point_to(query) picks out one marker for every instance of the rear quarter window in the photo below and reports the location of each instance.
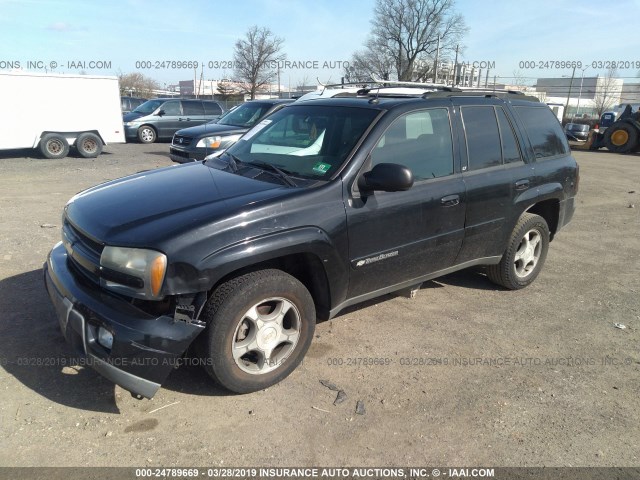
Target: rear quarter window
(545, 133)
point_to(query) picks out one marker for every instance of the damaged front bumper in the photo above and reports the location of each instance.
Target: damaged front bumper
(145, 348)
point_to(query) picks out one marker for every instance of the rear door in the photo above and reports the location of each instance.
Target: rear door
(395, 237)
(192, 113)
(494, 175)
(169, 121)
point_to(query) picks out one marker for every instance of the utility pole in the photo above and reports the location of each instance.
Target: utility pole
(566, 108)
(455, 68)
(435, 65)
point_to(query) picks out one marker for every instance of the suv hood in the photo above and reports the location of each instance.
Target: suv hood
(209, 129)
(131, 116)
(145, 209)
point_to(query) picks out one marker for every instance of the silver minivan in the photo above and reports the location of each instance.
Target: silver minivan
(160, 118)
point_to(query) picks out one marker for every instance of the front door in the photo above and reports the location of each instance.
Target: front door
(396, 237)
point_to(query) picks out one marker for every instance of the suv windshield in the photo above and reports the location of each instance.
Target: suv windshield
(149, 106)
(246, 115)
(306, 141)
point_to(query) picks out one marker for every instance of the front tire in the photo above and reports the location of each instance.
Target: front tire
(89, 145)
(259, 327)
(54, 146)
(525, 254)
(146, 134)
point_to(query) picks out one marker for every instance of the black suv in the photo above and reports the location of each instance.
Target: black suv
(195, 143)
(322, 205)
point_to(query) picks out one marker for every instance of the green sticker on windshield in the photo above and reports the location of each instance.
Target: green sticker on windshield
(321, 167)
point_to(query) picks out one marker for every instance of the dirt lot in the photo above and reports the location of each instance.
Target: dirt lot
(470, 374)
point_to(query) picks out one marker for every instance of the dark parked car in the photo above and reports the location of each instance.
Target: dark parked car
(576, 131)
(130, 103)
(195, 143)
(160, 118)
(322, 205)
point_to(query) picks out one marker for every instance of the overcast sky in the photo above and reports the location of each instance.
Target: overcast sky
(123, 32)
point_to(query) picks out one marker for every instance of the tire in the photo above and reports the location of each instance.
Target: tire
(621, 138)
(147, 134)
(89, 145)
(525, 254)
(53, 146)
(259, 327)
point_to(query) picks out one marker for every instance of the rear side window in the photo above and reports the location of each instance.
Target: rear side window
(483, 137)
(510, 148)
(544, 131)
(191, 107)
(212, 108)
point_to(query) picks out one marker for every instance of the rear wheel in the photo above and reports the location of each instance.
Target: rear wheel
(146, 134)
(525, 254)
(89, 145)
(259, 327)
(621, 138)
(54, 145)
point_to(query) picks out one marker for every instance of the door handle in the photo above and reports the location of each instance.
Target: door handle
(450, 200)
(185, 119)
(522, 185)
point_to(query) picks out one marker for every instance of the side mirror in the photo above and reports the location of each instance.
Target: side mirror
(160, 113)
(386, 177)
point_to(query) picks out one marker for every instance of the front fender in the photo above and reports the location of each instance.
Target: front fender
(304, 240)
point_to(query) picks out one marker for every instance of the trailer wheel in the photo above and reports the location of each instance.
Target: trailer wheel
(89, 145)
(146, 134)
(621, 138)
(53, 145)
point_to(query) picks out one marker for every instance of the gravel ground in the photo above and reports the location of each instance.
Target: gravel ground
(466, 373)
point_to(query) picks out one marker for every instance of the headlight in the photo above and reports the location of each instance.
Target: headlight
(134, 272)
(215, 142)
(130, 124)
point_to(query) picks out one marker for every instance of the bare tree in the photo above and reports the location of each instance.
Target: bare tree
(607, 91)
(408, 32)
(256, 57)
(137, 84)
(369, 62)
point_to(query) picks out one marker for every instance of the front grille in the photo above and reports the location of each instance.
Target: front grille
(181, 140)
(179, 153)
(83, 252)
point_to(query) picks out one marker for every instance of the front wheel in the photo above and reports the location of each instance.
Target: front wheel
(259, 327)
(53, 146)
(525, 254)
(146, 134)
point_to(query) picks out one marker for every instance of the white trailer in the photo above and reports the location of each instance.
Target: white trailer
(51, 113)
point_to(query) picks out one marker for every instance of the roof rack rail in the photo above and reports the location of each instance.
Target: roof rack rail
(491, 90)
(397, 83)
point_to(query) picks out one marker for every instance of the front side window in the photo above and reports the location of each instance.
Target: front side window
(172, 108)
(309, 141)
(420, 141)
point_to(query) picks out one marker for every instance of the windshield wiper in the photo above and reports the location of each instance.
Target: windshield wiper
(233, 161)
(283, 174)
